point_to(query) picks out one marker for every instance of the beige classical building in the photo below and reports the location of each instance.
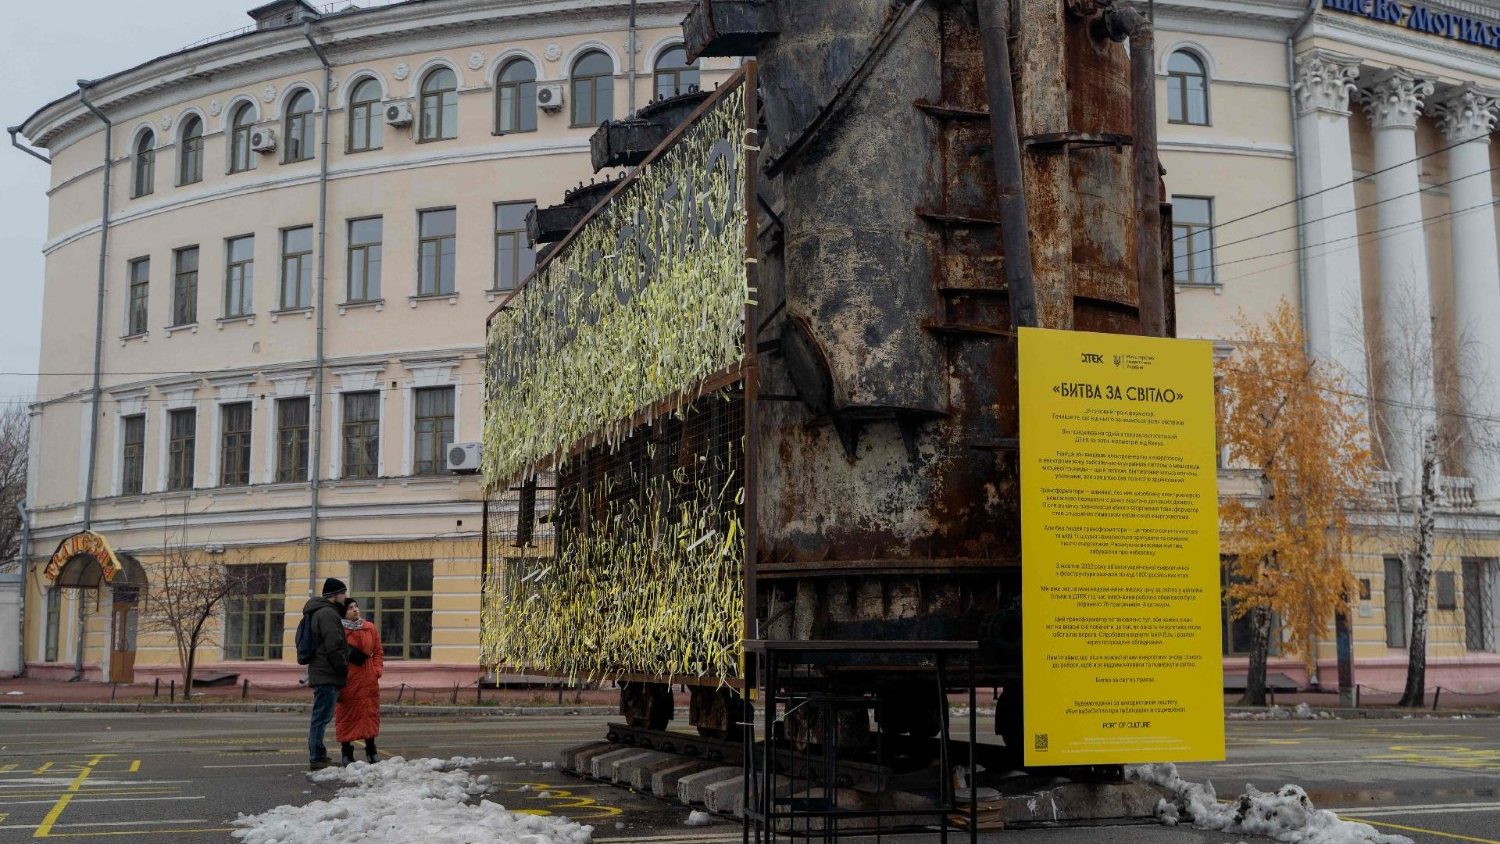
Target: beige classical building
(1378, 113)
(283, 251)
(300, 257)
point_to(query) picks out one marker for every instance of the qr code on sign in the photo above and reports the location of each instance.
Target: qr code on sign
(1040, 740)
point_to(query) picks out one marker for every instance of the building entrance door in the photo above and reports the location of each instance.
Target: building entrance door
(122, 643)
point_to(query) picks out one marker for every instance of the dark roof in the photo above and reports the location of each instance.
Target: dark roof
(276, 8)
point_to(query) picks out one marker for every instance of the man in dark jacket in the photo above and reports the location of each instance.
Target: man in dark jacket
(330, 667)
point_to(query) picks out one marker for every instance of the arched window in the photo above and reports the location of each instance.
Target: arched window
(364, 116)
(145, 165)
(439, 105)
(593, 89)
(190, 152)
(241, 122)
(299, 127)
(673, 73)
(515, 97)
(1187, 89)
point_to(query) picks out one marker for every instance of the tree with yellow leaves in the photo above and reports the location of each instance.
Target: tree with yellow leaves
(1288, 420)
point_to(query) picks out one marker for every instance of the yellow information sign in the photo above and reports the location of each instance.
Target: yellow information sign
(1120, 550)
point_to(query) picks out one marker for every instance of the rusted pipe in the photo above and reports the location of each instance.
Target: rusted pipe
(1015, 234)
(1121, 23)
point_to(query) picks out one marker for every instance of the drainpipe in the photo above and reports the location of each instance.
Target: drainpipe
(1124, 23)
(16, 130)
(1015, 234)
(318, 379)
(20, 506)
(25, 572)
(634, 48)
(1291, 99)
(88, 492)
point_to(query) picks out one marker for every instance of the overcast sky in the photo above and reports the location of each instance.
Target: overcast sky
(44, 49)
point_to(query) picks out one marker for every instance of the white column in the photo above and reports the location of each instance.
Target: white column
(1468, 117)
(1404, 358)
(1335, 310)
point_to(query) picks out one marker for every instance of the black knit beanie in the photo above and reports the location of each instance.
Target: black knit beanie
(332, 586)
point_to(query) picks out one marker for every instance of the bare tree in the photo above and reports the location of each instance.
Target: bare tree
(15, 431)
(1420, 430)
(187, 592)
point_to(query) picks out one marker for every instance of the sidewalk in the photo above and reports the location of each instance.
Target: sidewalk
(31, 692)
(59, 694)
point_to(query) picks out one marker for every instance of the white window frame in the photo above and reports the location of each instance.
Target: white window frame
(235, 390)
(285, 385)
(181, 397)
(357, 379)
(429, 373)
(132, 403)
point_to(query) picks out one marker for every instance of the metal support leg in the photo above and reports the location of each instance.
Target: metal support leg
(945, 774)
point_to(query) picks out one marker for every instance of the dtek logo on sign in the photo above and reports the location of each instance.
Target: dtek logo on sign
(1421, 18)
(1090, 357)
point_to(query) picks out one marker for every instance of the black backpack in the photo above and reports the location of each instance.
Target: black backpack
(307, 646)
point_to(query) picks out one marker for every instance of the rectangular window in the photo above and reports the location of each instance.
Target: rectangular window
(436, 249)
(182, 435)
(1395, 603)
(254, 612)
(514, 256)
(361, 435)
(296, 268)
(234, 444)
(1476, 605)
(1239, 633)
(1447, 590)
(364, 259)
(140, 290)
(397, 596)
(1193, 239)
(54, 623)
(291, 440)
(132, 454)
(432, 429)
(239, 276)
(185, 286)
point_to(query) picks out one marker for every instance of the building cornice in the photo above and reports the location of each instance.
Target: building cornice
(348, 37)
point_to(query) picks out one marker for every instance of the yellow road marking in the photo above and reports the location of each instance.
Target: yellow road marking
(8, 799)
(7, 768)
(43, 769)
(45, 829)
(135, 832)
(135, 766)
(1453, 835)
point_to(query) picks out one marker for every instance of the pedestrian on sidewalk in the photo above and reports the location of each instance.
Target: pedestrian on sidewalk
(358, 715)
(328, 668)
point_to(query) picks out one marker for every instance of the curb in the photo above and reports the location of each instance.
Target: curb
(1382, 714)
(411, 711)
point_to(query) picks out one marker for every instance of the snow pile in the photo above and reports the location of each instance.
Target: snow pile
(399, 800)
(1301, 712)
(697, 818)
(1285, 815)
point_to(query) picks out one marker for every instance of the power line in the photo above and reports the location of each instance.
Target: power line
(1408, 224)
(1356, 179)
(1211, 248)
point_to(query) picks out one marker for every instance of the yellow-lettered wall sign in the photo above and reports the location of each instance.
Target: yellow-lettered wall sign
(1120, 550)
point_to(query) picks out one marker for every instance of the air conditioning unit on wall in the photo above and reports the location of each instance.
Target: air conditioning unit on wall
(463, 458)
(549, 97)
(398, 113)
(263, 139)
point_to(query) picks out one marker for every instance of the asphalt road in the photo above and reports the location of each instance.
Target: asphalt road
(178, 778)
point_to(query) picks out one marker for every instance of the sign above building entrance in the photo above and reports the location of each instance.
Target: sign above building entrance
(1422, 18)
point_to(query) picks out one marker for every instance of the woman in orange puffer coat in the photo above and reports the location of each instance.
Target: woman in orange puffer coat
(357, 715)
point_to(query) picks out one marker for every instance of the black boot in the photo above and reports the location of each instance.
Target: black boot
(370, 754)
(348, 753)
